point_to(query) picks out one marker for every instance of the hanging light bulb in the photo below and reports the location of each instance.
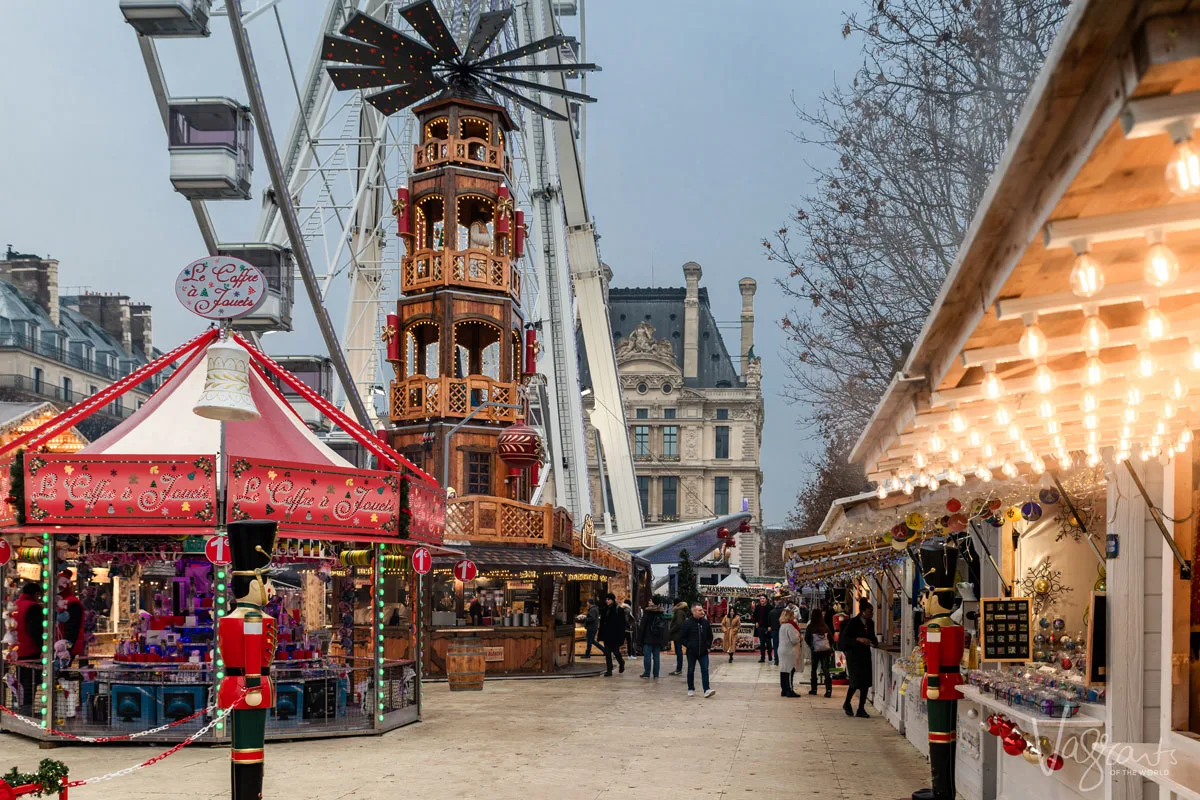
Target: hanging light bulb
(957, 423)
(919, 460)
(1092, 449)
(1154, 324)
(1009, 468)
(1168, 410)
(1014, 432)
(1130, 415)
(908, 487)
(1146, 454)
(1089, 402)
(1146, 365)
(881, 492)
(993, 387)
(1093, 371)
(974, 438)
(1183, 170)
(922, 478)
(1058, 441)
(1185, 436)
(984, 474)
(1046, 409)
(1043, 379)
(1039, 466)
(1064, 460)
(1087, 276)
(1127, 431)
(1093, 437)
(1122, 444)
(1121, 455)
(988, 450)
(1162, 266)
(1091, 421)
(1094, 334)
(1033, 342)
(1093, 460)
(933, 484)
(955, 455)
(1194, 356)
(1003, 415)
(960, 480)
(1178, 389)
(1181, 447)
(1053, 427)
(1160, 429)
(1133, 396)
(936, 443)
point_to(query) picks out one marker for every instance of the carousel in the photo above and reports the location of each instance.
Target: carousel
(116, 567)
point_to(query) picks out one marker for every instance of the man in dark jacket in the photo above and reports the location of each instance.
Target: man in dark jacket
(762, 628)
(697, 637)
(679, 615)
(612, 632)
(856, 639)
(773, 624)
(591, 624)
(652, 633)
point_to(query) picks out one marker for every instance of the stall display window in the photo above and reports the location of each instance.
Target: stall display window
(479, 473)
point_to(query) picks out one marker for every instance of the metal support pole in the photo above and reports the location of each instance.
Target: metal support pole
(454, 430)
(271, 155)
(1185, 566)
(987, 551)
(1071, 507)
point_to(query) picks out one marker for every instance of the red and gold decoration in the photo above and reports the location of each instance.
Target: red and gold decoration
(116, 490)
(520, 446)
(401, 208)
(391, 337)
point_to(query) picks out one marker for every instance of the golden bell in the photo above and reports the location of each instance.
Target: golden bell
(226, 393)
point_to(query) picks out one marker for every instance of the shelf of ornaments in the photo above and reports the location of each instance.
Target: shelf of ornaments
(1090, 716)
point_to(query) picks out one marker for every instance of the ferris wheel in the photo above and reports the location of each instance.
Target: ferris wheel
(327, 222)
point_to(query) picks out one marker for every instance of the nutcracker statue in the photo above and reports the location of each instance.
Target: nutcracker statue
(943, 649)
(247, 644)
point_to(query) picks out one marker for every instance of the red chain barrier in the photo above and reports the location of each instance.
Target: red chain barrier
(105, 739)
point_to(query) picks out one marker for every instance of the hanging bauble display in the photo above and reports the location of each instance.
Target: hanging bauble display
(887, 537)
(1043, 623)
(1039, 638)
(1014, 742)
(1031, 511)
(1012, 514)
(972, 713)
(1044, 585)
(977, 508)
(1066, 663)
(519, 446)
(995, 522)
(939, 524)
(722, 533)
(957, 523)
(954, 505)
(994, 504)
(1039, 655)
(1031, 753)
(1068, 644)
(915, 521)
(1101, 584)
(1041, 585)
(1054, 762)
(1048, 496)
(996, 725)
(1059, 624)
(1045, 744)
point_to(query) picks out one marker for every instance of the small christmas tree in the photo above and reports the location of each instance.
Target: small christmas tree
(687, 586)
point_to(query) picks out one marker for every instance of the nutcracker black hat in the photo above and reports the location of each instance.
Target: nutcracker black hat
(250, 545)
(939, 567)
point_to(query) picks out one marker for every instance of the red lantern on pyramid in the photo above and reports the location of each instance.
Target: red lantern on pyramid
(520, 446)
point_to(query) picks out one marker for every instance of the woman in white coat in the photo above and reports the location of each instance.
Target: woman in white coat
(790, 638)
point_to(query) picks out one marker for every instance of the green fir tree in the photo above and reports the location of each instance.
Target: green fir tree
(687, 587)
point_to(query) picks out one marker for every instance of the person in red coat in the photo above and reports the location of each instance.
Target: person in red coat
(30, 616)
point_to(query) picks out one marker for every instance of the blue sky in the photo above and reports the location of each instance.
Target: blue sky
(690, 154)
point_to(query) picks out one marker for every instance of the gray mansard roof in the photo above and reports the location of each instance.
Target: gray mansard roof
(662, 308)
(17, 311)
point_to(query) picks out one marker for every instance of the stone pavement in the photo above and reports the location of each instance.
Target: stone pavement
(587, 738)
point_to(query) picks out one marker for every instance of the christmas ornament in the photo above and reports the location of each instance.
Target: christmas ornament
(1048, 496)
(1059, 623)
(957, 523)
(1039, 638)
(1031, 511)
(953, 505)
(994, 504)
(1043, 623)
(1014, 742)
(995, 724)
(1012, 514)
(1054, 762)
(1101, 584)
(1044, 585)
(887, 537)
(1041, 585)
(915, 521)
(972, 713)
(1066, 663)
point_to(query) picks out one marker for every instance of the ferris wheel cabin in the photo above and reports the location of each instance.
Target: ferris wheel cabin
(165, 18)
(278, 266)
(211, 142)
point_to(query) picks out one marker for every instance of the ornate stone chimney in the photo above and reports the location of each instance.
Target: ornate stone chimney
(691, 320)
(747, 286)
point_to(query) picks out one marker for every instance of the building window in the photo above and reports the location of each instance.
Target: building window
(641, 441)
(670, 499)
(671, 441)
(721, 496)
(642, 388)
(39, 378)
(479, 473)
(92, 389)
(722, 441)
(116, 407)
(644, 493)
(66, 389)
(722, 413)
(642, 413)
(668, 413)
(666, 388)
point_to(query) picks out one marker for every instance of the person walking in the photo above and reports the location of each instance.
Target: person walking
(612, 632)
(788, 651)
(591, 624)
(773, 623)
(652, 633)
(697, 637)
(679, 615)
(856, 639)
(729, 631)
(631, 626)
(819, 639)
(762, 628)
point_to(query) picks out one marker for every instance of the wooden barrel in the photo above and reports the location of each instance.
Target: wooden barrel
(464, 665)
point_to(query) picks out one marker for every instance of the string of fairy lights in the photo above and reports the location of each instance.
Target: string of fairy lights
(1017, 421)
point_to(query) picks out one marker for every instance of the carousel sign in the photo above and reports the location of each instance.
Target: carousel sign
(116, 490)
(302, 496)
(220, 287)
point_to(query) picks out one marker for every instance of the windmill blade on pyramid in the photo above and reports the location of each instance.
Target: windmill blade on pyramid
(402, 97)
(526, 50)
(510, 81)
(521, 99)
(487, 27)
(541, 68)
(426, 20)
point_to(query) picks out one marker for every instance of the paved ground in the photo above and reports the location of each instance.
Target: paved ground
(589, 738)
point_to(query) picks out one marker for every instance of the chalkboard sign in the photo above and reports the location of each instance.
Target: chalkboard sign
(1006, 629)
(1097, 640)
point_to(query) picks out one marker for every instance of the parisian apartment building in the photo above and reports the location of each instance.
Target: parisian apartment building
(695, 419)
(63, 348)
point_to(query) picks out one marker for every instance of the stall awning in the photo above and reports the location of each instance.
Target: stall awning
(539, 559)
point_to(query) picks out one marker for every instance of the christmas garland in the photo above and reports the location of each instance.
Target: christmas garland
(48, 778)
(16, 486)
